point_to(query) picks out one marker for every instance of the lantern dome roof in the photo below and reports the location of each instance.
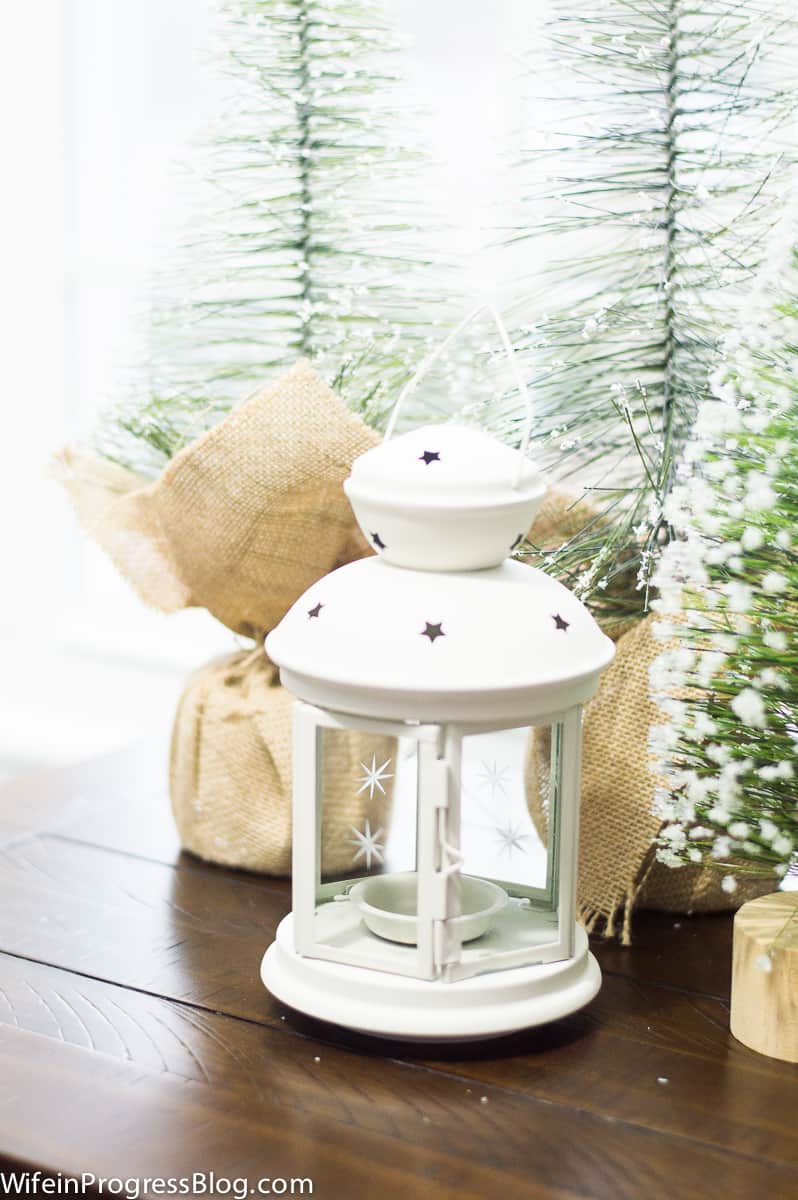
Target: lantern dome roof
(378, 640)
(444, 498)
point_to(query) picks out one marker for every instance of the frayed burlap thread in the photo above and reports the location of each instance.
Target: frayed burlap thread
(242, 522)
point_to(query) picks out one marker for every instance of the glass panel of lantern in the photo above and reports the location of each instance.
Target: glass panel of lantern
(506, 776)
(372, 845)
(499, 838)
(362, 782)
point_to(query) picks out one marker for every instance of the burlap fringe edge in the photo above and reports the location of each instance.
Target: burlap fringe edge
(590, 916)
(604, 924)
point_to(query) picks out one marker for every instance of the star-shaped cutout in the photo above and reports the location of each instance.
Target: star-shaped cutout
(560, 622)
(517, 542)
(432, 631)
(314, 612)
(510, 838)
(378, 542)
(372, 776)
(368, 843)
(429, 456)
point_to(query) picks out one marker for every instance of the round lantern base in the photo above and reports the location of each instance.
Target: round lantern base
(397, 1006)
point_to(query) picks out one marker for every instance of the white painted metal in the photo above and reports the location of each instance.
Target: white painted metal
(334, 720)
(387, 904)
(431, 905)
(306, 852)
(444, 498)
(451, 930)
(570, 754)
(435, 642)
(394, 1006)
(499, 655)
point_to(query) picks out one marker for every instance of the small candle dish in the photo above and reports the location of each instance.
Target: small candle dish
(387, 904)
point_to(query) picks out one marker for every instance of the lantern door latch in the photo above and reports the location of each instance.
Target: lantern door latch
(451, 859)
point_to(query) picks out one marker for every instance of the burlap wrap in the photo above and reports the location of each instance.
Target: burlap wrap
(241, 522)
(617, 866)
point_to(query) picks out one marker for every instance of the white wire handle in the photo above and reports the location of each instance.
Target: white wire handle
(435, 354)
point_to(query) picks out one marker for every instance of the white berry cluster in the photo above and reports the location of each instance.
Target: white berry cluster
(727, 677)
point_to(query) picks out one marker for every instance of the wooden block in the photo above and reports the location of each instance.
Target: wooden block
(764, 997)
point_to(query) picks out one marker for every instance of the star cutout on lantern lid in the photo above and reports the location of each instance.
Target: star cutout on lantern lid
(378, 542)
(314, 612)
(560, 622)
(432, 631)
(429, 456)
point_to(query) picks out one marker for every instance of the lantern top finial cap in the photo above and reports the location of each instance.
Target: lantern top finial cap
(444, 497)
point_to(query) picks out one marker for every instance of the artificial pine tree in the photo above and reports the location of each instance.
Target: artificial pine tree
(665, 167)
(314, 244)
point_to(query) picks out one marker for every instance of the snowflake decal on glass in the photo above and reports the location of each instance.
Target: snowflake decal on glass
(511, 838)
(373, 776)
(494, 777)
(368, 845)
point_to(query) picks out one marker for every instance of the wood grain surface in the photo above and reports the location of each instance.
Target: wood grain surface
(764, 995)
(137, 1040)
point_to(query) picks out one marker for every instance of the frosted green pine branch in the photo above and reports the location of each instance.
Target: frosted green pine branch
(665, 167)
(317, 239)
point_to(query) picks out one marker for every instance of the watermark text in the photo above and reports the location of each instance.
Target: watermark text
(199, 1183)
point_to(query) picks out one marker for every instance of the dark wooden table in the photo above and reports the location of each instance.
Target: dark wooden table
(137, 1040)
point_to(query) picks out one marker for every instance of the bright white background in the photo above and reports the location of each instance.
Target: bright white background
(98, 98)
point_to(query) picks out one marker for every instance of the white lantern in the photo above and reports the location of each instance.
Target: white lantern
(438, 640)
